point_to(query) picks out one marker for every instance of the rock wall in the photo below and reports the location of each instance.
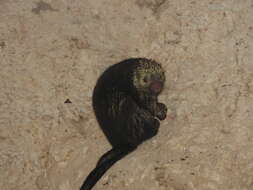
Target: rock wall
(52, 52)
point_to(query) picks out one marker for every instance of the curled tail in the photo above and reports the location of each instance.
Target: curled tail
(105, 162)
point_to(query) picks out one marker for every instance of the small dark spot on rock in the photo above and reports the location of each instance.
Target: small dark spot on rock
(67, 101)
(42, 6)
(225, 131)
(2, 45)
(192, 173)
(106, 183)
(79, 44)
(81, 117)
(182, 159)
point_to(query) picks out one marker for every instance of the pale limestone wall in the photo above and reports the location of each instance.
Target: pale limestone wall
(51, 51)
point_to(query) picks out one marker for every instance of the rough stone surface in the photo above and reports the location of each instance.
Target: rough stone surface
(52, 52)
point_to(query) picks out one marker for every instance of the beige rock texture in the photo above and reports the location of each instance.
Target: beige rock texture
(54, 50)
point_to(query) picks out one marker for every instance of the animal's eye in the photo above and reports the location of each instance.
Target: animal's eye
(145, 79)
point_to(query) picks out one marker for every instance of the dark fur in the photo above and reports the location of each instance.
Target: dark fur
(127, 116)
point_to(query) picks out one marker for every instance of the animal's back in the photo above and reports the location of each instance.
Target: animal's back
(111, 91)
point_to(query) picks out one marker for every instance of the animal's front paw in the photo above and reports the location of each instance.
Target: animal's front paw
(151, 129)
(161, 111)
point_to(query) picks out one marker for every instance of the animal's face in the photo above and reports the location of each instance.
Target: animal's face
(149, 77)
